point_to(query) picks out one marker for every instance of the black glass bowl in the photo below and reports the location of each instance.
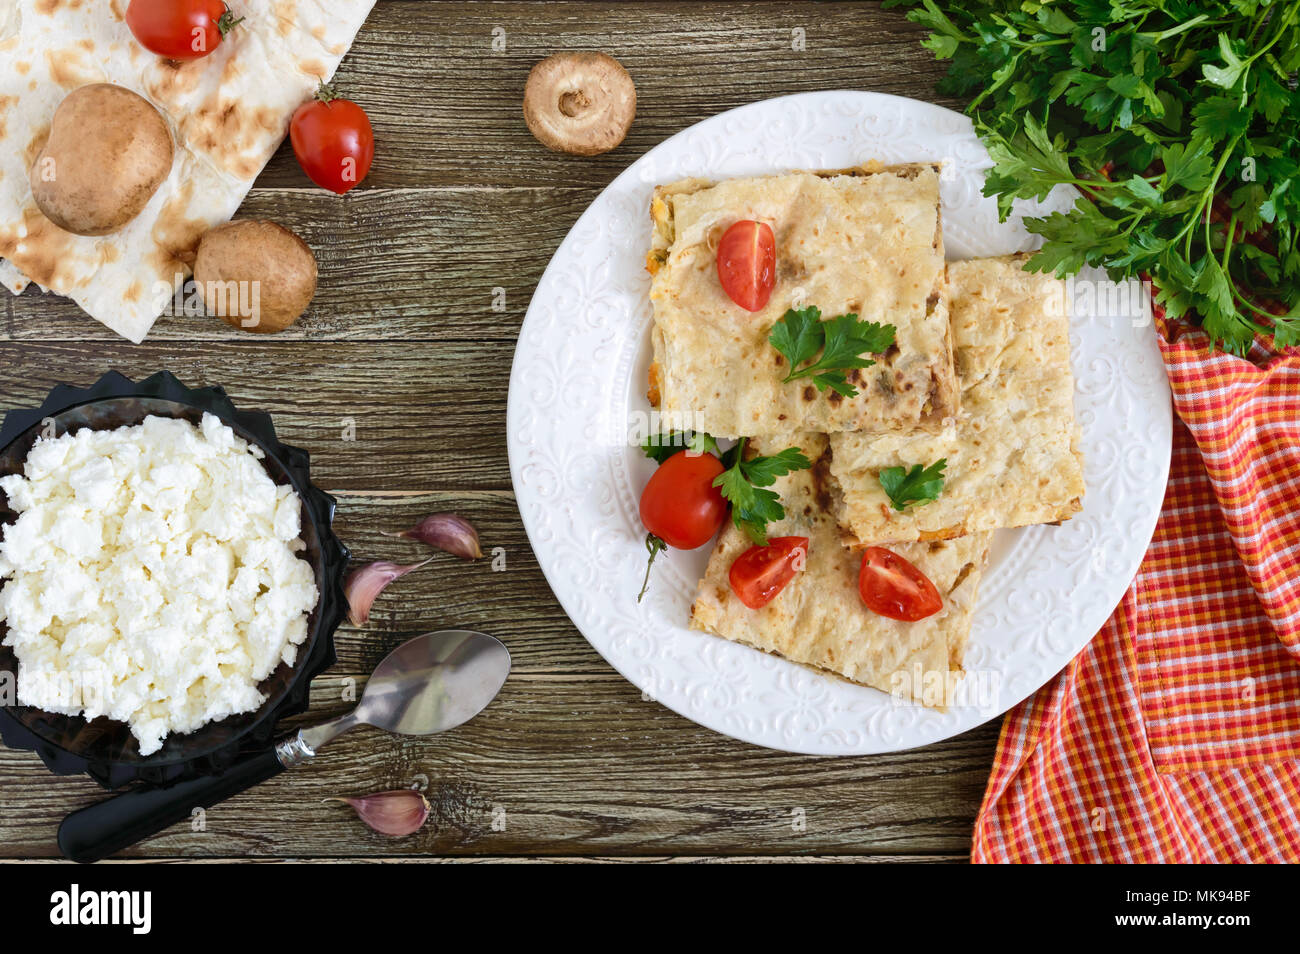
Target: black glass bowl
(104, 748)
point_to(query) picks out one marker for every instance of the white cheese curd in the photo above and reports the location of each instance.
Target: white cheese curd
(152, 576)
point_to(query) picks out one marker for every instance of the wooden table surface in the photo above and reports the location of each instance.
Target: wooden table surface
(404, 342)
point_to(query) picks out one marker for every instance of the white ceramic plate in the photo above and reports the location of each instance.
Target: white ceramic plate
(577, 387)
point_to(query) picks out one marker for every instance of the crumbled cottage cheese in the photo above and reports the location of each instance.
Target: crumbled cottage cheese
(153, 576)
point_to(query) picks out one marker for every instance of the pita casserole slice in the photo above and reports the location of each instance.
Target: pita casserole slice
(867, 241)
(227, 112)
(1012, 452)
(819, 619)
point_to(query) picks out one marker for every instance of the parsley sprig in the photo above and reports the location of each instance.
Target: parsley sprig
(920, 485)
(1178, 121)
(744, 483)
(844, 343)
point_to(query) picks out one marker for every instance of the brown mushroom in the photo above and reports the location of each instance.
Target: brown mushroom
(255, 275)
(580, 103)
(108, 151)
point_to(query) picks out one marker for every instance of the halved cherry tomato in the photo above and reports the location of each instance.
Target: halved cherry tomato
(333, 141)
(893, 587)
(747, 263)
(180, 29)
(762, 572)
(680, 505)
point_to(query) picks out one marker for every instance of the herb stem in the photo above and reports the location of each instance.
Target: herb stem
(1174, 31)
(1227, 243)
(654, 546)
(738, 451)
(1206, 197)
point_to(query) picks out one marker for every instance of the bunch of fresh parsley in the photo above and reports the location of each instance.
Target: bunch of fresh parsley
(1178, 121)
(743, 483)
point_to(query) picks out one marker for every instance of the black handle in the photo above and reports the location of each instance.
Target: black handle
(107, 827)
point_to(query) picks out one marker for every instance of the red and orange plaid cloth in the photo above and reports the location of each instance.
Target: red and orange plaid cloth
(1174, 736)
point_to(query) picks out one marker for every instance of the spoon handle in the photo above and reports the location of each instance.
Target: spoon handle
(107, 827)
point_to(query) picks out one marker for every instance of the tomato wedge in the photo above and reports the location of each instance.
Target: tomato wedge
(760, 573)
(892, 587)
(747, 263)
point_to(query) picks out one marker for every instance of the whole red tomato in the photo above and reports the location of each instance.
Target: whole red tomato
(180, 29)
(333, 141)
(760, 573)
(747, 263)
(893, 587)
(680, 506)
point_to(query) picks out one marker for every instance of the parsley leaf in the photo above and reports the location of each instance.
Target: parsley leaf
(798, 335)
(744, 485)
(920, 485)
(844, 342)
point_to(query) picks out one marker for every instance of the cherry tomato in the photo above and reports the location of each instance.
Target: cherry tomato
(762, 572)
(893, 587)
(747, 263)
(680, 505)
(333, 141)
(180, 29)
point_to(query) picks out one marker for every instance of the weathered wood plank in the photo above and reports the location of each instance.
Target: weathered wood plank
(394, 416)
(402, 264)
(513, 602)
(447, 107)
(540, 860)
(571, 766)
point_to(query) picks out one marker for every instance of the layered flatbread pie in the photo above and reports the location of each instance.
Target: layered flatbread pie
(818, 619)
(890, 412)
(866, 241)
(1012, 456)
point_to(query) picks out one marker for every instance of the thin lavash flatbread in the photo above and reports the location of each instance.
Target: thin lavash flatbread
(867, 241)
(227, 111)
(1012, 453)
(819, 619)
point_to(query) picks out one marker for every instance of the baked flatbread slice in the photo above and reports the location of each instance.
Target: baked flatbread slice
(1012, 453)
(867, 241)
(227, 112)
(819, 619)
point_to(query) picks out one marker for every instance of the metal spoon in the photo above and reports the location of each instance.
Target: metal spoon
(426, 685)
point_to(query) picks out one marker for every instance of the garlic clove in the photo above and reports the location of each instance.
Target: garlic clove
(449, 532)
(402, 811)
(363, 585)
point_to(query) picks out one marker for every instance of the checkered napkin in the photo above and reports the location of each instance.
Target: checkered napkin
(1175, 735)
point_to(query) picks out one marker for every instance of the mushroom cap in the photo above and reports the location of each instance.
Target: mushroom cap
(273, 264)
(580, 103)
